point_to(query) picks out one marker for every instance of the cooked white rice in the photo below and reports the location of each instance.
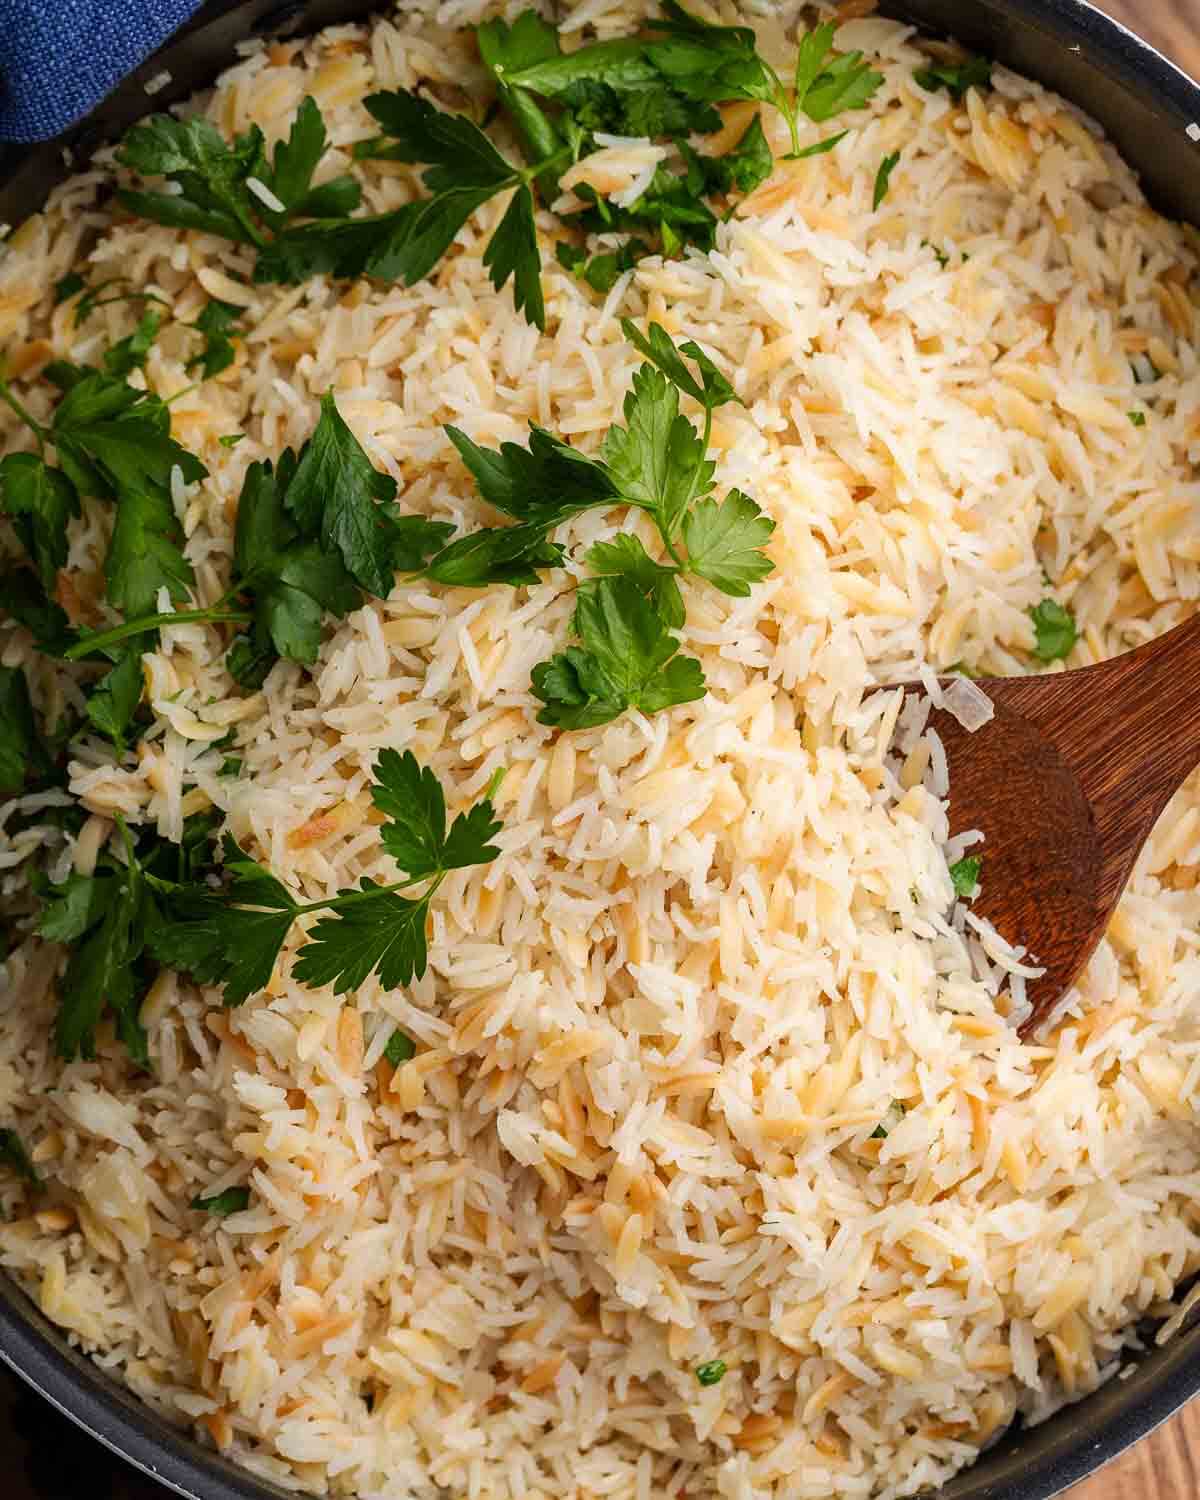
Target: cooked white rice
(657, 1034)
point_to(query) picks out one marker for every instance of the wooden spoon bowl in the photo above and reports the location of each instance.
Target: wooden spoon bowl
(1066, 784)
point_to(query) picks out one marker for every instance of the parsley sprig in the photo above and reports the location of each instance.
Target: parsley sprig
(663, 84)
(463, 171)
(217, 326)
(232, 936)
(668, 84)
(315, 531)
(626, 611)
(234, 190)
(113, 442)
(107, 918)
(624, 616)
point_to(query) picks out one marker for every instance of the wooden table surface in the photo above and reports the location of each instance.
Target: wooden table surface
(1166, 1465)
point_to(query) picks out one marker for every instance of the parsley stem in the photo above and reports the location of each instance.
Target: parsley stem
(106, 638)
(34, 426)
(683, 509)
(252, 232)
(547, 163)
(352, 898)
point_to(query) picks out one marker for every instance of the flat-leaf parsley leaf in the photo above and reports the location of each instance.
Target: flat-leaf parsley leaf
(1055, 631)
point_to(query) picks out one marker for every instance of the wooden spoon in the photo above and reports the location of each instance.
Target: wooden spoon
(1066, 783)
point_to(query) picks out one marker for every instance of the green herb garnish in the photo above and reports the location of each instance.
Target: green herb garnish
(940, 256)
(599, 271)
(627, 659)
(664, 84)
(895, 1113)
(216, 323)
(22, 751)
(964, 874)
(233, 936)
(884, 175)
(956, 78)
(214, 177)
(1054, 629)
(658, 462)
(112, 442)
(106, 918)
(232, 1201)
(400, 1047)
(67, 286)
(130, 353)
(14, 1156)
(712, 1372)
(819, 148)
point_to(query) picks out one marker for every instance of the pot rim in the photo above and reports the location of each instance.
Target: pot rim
(33, 1348)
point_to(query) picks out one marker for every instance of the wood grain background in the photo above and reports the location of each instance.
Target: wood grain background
(1166, 1465)
(1172, 25)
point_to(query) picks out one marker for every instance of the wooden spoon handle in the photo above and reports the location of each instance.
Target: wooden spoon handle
(1146, 713)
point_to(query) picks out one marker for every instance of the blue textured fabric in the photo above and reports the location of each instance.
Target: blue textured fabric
(59, 58)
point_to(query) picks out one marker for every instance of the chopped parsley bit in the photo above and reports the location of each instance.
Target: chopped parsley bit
(231, 766)
(130, 353)
(1054, 629)
(600, 271)
(67, 286)
(14, 1156)
(940, 256)
(232, 1201)
(22, 749)
(895, 1113)
(964, 875)
(216, 323)
(1138, 418)
(955, 78)
(886, 167)
(819, 148)
(712, 1372)
(231, 439)
(400, 1047)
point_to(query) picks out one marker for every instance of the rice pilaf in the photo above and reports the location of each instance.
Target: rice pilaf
(704, 1071)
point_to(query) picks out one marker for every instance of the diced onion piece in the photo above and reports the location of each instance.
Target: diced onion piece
(969, 704)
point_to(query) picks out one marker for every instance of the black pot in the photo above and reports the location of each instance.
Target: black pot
(1146, 105)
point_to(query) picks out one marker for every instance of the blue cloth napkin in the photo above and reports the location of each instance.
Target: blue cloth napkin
(59, 58)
